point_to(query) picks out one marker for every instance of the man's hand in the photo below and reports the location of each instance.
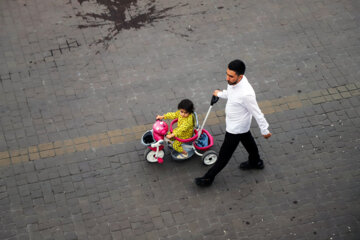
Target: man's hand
(158, 117)
(267, 135)
(215, 93)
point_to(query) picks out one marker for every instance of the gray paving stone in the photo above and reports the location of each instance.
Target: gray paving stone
(146, 71)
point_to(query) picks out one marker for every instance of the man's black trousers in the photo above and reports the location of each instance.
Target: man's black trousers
(229, 146)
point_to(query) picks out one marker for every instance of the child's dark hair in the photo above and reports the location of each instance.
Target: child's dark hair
(237, 66)
(187, 105)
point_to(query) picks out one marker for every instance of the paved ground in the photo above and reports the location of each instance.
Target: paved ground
(80, 81)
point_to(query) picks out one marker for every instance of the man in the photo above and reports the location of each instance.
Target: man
(241, 106)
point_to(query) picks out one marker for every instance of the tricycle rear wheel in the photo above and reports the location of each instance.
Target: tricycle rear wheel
(209, 157)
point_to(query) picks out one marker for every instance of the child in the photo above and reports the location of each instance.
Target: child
(185, 125)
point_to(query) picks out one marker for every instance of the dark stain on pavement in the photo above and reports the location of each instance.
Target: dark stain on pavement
(121, 15)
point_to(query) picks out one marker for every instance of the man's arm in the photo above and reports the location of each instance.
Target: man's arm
(220, 94)
(252, 106)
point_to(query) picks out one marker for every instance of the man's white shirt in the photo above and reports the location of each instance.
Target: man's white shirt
(241, 106)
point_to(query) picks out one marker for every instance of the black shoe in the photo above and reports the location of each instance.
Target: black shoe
(247, 166)
(203, 182)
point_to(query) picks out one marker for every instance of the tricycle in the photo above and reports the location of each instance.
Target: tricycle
(201, 141)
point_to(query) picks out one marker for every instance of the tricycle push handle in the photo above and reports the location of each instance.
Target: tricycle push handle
(214, 100)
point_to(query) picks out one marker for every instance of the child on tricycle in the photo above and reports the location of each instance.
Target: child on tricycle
(185, 125)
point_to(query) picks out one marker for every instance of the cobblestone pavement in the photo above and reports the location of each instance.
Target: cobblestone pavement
(80, 81)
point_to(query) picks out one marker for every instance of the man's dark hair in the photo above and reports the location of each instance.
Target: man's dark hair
(237, 66)
(187, 105)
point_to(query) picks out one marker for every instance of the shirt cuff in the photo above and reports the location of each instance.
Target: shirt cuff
(220, 94)
(265, 131)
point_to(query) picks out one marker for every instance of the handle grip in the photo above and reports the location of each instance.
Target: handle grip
(214, 100)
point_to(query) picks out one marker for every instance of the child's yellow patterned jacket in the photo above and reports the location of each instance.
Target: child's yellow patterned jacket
(185, 126)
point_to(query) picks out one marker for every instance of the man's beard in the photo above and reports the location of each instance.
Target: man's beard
(234, 83)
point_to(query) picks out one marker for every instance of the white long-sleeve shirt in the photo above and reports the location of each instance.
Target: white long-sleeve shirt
(241, 106)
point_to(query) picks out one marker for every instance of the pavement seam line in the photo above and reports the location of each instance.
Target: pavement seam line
(119, 136)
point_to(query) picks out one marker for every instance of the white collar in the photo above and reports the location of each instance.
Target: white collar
(238, 84)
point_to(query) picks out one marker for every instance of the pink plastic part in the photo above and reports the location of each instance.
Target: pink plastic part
(160, 160)
(211, 141)
(172, 123)
(160, 129)
(179, 139)
(161, 147)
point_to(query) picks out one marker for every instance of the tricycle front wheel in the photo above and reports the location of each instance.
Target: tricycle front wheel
(150, 155)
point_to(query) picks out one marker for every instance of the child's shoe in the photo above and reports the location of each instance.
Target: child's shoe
(183, 156)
